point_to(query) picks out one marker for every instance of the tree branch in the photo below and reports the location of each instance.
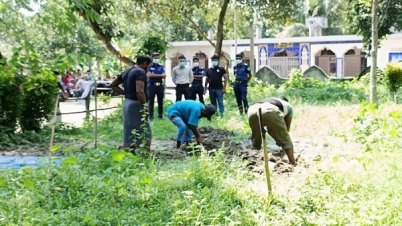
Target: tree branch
(106, 39)
(198, 29)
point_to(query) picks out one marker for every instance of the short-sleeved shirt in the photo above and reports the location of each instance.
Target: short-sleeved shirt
(188, 110)
(156, 69)
(241, 71)
(197, 71)
(284, 106)
(215, 75)
(129, 79)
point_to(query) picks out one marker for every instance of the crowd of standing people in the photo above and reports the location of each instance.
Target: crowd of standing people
(145, 81)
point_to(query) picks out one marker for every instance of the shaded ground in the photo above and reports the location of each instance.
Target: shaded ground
(213, 139)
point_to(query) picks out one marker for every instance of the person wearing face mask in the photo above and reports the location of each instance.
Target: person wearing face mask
(135, 111)
(217, 86)
(156, 75)
(182, 76)
(196, 86)
(243, 75)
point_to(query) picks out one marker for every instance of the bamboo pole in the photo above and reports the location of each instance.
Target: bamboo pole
(53, 125)
(264, 144)
(96, 114)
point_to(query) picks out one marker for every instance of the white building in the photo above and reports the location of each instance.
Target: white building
(338, 56)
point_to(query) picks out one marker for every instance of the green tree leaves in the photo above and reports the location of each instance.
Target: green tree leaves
(389, 14)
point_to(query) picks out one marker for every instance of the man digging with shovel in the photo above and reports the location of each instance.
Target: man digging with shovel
(185, 115)
(276, 116)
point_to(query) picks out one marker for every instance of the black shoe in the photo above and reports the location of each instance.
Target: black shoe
(160, 117)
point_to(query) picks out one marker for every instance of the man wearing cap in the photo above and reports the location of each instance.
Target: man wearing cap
(243, 75)
(185, 115)
(276, 116)
(156, 75)
(196, 86)
(182, 76)
(217, 87)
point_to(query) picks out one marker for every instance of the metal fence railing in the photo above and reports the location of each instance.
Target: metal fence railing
(283, 65)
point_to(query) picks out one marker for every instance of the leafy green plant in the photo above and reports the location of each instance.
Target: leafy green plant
(152, 43)
(10, 99)
(375, 128)
(298, 81)
(38, 100)
(393, 74)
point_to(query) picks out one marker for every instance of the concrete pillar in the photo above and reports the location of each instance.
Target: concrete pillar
(168, 69)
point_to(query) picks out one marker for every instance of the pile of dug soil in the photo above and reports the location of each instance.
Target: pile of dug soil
(213, 139)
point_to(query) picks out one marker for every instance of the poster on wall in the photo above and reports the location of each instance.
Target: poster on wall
(395, 57)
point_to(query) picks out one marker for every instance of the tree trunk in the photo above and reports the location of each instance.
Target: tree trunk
(252, 65)
(221, 23)
(374, 44)
(100, 76)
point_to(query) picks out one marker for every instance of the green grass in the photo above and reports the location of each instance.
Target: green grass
(109, 187)
(115, 188)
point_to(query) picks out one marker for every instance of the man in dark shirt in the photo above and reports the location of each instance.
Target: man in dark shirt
(196, 85)
(135, 111)
(217, 87)
(156, 75)
(243, 75)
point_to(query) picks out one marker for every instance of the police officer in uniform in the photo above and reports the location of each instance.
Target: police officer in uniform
(196, 85)
(156, 75)
(243, 75)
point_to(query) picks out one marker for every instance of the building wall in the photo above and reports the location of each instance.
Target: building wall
(305, 49)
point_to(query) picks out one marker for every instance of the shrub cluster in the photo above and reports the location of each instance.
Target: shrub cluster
(25, 100)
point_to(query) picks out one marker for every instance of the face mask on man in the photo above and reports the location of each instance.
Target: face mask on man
(156, 61)
(238, 61)
(214, 63)
(196, 64)
(182, 64)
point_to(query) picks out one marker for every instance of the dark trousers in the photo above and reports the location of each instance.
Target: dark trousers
(197, 89)
(155, 90)
(240, 91)
(182, 89)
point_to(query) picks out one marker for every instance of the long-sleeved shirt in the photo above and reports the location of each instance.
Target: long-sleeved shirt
(182, 75)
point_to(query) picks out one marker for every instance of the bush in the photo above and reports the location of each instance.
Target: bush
(10, 100)
(393, 74)
(38, 100)
(315, 91)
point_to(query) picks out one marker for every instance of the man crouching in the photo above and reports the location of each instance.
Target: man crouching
(185, 115)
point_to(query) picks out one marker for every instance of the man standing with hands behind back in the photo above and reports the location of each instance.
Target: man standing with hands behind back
(156, 75)
(182, 76)
(217, 87)
(243, 75)
(196, 86)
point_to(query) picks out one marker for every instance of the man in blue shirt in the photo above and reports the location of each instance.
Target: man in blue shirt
(196, 85)
(243, 75)
(156, 75)
(185, 115)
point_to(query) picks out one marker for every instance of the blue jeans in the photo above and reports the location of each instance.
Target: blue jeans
(217, 95)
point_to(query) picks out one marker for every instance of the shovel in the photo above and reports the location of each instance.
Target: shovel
(264, 144)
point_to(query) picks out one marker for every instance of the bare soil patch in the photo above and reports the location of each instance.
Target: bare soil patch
(215, 139)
